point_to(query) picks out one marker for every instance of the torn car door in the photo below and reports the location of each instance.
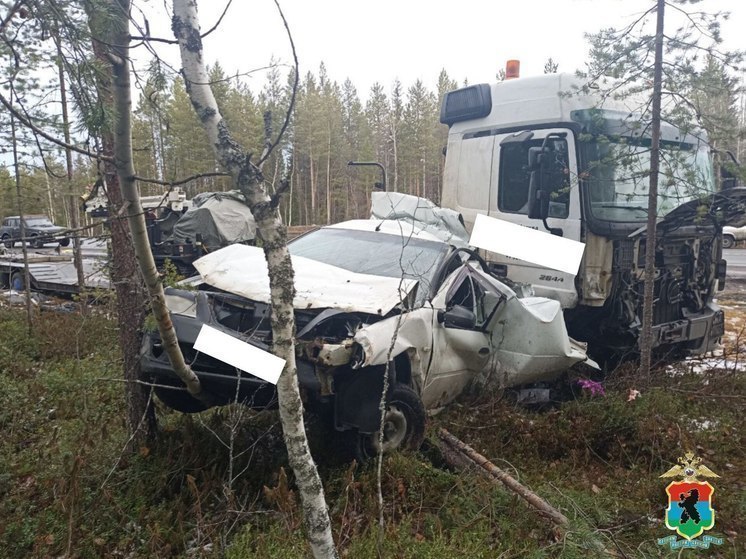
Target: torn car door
(462, 345)
(530, 338)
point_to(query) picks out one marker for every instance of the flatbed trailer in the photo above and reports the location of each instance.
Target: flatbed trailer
(52, 273)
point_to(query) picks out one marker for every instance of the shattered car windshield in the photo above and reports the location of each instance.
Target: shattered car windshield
(372, 252)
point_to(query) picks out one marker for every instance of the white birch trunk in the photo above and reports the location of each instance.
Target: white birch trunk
(248, 179)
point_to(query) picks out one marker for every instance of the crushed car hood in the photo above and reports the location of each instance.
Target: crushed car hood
(242, 270)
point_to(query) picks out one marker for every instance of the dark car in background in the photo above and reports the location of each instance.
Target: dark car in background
(38, 229)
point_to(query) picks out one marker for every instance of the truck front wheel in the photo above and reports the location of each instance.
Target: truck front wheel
(403, 426)
(729, 241)
(8, 242)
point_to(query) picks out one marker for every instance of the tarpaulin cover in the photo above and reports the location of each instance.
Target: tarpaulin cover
(221, 218)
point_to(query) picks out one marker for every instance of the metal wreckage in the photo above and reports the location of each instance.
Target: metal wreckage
(401, 294)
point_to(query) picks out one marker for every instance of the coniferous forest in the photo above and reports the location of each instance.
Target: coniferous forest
(395, 125)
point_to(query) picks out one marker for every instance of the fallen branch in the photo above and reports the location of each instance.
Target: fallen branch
(492, 472)
(460, 455)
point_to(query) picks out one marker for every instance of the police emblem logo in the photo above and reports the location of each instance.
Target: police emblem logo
(689, 512)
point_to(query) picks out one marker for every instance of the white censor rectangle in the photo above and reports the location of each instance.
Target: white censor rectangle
(536, 247)
(239, 354)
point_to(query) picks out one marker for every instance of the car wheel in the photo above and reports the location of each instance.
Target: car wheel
(64, 242)
(729, 241)
(179, 400)
(403, 426)
(8, 242)
(36, 241)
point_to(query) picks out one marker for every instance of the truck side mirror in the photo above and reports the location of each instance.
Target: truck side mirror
(538, 197)
(538, 207)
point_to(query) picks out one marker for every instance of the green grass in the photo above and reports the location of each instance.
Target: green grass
(66, 484)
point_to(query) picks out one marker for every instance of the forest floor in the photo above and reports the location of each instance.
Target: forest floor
(215, 485)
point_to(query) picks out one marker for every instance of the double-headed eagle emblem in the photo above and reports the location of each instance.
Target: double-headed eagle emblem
(690, 468)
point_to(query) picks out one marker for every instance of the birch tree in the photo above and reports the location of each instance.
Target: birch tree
(248, 178)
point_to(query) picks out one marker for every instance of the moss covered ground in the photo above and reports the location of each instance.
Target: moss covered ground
(217, 484)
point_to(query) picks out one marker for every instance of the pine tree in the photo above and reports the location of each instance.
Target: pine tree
(395, 121)
(637, 57)
(356, 145)
(187, 153)
(377, 116)
(417, 140)
(715, 99)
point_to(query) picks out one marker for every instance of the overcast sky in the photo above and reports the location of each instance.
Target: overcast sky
(380, 41)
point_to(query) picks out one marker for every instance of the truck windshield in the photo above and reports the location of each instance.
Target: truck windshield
(616, 174)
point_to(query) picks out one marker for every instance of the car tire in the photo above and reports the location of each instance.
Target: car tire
(179, 400)
(729, 241)
(8, 242)
(64, 242)
(404, 426)
(36, 241)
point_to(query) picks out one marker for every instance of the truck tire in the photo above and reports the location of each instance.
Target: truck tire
(404, 425)
(729, 241)
(64, 242)
(37, 241)
(8, 242)
(179, 400)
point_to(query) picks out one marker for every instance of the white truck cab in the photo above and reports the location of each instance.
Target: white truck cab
(551, 153)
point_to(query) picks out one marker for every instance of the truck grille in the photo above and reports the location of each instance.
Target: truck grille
(667, 306)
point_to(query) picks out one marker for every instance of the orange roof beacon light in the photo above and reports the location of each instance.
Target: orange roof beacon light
(512, 69)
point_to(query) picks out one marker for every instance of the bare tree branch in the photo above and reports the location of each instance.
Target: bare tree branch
(291, 106)
(180, 181)
(146, 37)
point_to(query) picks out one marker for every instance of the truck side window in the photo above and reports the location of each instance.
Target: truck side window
(512, 192)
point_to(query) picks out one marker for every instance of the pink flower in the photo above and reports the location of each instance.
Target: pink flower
(595, 388)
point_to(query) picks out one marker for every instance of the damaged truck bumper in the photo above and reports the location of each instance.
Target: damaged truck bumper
(699, 332)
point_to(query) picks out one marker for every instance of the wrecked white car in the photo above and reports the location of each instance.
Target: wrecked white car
(371, 296)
